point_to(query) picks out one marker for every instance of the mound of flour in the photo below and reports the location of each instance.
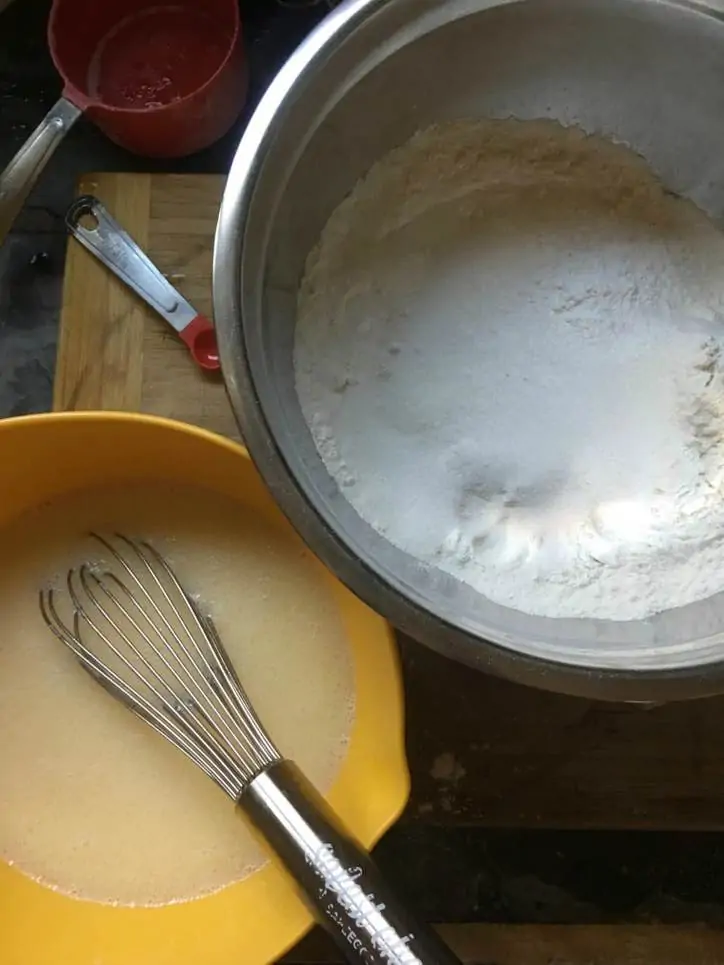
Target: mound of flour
(509, 350)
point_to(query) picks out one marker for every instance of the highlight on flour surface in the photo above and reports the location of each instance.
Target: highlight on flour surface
(512, 331)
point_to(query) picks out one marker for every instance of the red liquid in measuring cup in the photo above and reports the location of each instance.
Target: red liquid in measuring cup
(155, 58)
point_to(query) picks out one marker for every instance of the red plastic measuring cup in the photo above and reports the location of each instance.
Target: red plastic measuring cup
(160, 79)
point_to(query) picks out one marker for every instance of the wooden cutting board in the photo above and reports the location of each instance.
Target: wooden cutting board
(482, 751)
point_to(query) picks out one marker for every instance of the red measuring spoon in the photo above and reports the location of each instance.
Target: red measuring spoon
(99, 233)
(160, 79)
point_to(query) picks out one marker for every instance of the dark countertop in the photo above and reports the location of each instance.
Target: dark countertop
(453, 874)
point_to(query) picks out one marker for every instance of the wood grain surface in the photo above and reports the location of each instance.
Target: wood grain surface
(482, 751)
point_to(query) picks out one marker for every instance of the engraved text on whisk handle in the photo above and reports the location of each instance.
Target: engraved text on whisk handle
(338, 880)
(350, 899)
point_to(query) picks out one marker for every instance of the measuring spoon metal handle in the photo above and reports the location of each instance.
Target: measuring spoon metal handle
(91, 224)
(108, 241)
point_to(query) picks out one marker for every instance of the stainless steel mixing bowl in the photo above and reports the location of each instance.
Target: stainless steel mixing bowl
(648, 72)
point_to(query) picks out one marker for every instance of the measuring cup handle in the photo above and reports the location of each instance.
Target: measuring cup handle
(19, 177)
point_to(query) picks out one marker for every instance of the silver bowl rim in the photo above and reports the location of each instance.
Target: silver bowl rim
(500, 656)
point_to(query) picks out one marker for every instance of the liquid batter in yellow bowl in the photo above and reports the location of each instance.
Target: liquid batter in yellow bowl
(121, 852)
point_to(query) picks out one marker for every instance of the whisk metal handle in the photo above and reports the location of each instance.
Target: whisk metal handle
(336, 877)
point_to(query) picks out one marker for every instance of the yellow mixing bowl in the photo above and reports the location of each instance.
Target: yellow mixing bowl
(258, 919)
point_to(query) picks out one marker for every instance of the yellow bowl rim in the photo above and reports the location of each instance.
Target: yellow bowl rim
(284, 920)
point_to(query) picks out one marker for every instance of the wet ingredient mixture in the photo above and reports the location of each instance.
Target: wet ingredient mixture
(509, 354)
(92, 802)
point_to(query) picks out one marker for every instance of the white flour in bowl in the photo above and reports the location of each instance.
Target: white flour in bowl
(508, 350)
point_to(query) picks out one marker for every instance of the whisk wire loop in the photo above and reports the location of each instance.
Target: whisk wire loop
(134, 628)
(173, 730)
(139, 633)
(218, 670)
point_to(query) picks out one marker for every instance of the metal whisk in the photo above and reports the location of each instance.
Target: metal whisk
(136, 630)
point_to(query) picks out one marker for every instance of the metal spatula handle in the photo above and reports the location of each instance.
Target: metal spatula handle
(336, 877)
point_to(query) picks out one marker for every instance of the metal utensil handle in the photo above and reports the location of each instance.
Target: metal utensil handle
(336, 877)
(111, 244)
(19, 177)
